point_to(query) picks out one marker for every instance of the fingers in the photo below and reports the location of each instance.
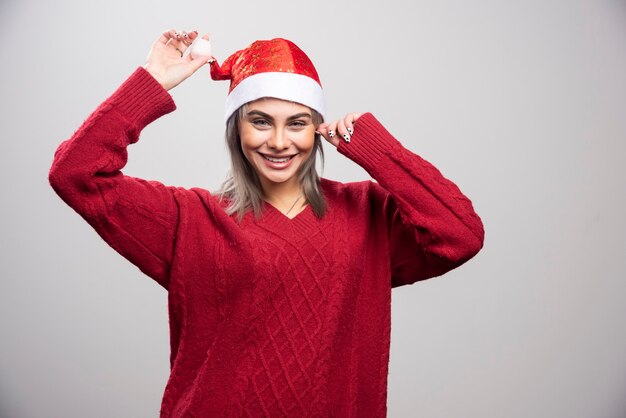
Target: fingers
(186, 37)
(349, 121)
(345, 126)
(165, 36)
(169, 35)
(339, 130)
(328, 133)
(178, 40)
(343, 130)
(192, 35)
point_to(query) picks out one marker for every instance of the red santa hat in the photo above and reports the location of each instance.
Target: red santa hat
(270, 68)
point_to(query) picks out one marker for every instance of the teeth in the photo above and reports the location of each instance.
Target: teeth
(277, 160)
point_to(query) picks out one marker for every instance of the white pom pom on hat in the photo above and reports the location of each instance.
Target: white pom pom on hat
(200, 48)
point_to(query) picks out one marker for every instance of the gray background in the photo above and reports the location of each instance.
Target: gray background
(520, 103)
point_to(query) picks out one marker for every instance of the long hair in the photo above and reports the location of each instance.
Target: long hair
(243, 188)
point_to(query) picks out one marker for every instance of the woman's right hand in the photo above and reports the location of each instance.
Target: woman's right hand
(165, 60)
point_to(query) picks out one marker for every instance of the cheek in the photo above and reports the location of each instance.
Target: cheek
(305, 141)
(251, 139)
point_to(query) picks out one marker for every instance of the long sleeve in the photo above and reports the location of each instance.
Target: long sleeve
(433, 227)
(138, 218)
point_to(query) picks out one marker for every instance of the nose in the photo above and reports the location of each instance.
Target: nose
(278, 140)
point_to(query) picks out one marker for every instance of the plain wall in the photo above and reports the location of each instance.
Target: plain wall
(521, 103)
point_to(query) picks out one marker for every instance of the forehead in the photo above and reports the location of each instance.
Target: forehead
(273, 106)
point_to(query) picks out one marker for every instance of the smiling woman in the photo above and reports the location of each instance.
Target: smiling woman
(279, 285)
(273, 146)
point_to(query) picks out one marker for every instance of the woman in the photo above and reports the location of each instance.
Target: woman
(279, 286)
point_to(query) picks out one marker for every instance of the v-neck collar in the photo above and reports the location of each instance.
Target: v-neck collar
(269, 206)
(276, 222)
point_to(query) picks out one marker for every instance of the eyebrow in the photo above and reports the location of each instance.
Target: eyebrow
(296, 116)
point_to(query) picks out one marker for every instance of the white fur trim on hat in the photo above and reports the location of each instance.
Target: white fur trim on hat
(281, 85)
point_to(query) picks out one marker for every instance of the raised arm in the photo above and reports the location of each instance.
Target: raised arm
(433, 227)
(136, 217)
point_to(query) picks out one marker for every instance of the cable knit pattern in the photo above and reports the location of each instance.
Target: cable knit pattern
(270, 316)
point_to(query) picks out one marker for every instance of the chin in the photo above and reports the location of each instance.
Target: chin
(279, 178)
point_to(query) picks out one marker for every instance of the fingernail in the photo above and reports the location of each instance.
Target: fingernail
(185, 35)
(331, 133)
(350, 131)
(346, 137)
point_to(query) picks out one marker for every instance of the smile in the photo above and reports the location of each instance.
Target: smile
(278, 160)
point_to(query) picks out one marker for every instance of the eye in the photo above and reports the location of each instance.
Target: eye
(260, 122)
(299, 123)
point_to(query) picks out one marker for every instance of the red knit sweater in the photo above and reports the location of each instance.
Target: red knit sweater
(270, 316)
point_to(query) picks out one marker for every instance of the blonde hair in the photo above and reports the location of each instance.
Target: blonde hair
(243, 188)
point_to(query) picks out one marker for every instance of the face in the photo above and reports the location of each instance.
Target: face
(277, 137)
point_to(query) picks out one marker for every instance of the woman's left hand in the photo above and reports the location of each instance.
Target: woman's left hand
(166, 61)
(339, 130)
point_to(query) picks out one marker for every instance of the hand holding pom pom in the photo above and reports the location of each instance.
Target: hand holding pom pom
(169, 60)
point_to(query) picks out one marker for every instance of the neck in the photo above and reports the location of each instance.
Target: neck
(283, 196)
(281, 191)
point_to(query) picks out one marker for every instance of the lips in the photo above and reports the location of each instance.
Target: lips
(278, 159)
(278, 162)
